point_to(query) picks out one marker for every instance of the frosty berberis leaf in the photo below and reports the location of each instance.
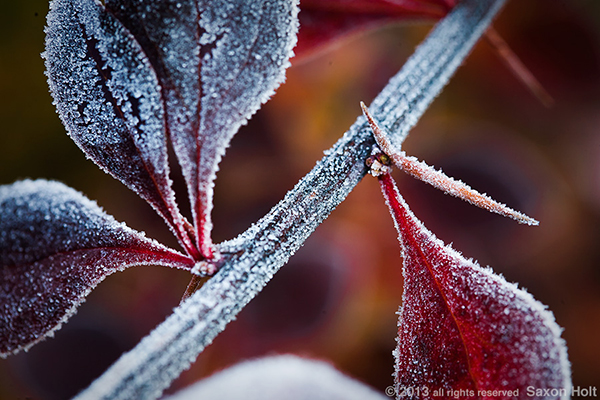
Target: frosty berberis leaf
(217, 62)
(55, 247)
(109, 99)
(464, 331)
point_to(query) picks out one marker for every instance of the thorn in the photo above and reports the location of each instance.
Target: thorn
(516, 66)
(201, 272)
(384, 144)
(438, 179)
(195, 283)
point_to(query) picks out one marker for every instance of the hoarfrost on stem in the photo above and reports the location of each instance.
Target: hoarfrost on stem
(251, 260)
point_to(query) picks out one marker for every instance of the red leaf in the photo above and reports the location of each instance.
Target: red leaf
(217, 62)
(464, 330)
(323, 21)
(55, 247)
(108, 98)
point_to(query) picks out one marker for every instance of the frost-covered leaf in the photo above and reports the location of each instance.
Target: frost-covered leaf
(464, 328)
(109, 99)
(217, 62)
(323, 21)
(285, 377)
(55, 247)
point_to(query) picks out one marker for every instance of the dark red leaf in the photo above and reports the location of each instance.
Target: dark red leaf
(55, 247)
(323, 21)
(217, 62)
(109, 99)
(464, 331)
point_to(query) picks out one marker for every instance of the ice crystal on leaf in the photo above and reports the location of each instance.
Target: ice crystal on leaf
(126, 76)
(464, 330)
(217, 62)
(55, 247)
(109, 99)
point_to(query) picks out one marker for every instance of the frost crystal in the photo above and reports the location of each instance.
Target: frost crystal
(435, 178)
(109, 99)
(464, 328)
(55, 247)
(217, 62)
(251, 259)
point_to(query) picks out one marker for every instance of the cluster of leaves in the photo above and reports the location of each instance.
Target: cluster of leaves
(126, 77)
(131, 78)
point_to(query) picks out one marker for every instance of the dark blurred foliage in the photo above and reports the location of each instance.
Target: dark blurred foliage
(337, 298)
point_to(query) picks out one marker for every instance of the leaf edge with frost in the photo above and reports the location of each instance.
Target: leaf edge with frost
(56, 246)
(499, 327)
(108, 98)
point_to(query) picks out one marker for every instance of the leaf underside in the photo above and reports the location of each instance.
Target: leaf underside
(463, 327)
(55, 247)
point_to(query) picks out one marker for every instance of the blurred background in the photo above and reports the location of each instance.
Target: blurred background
(336, 299)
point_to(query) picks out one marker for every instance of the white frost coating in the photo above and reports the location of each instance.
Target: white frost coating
(217, 62)
(252, 42)
(437, 178)
(523, 328)
(427, 72)
(456, 188)
(108, 98)
(55, 247)
(42, 217)
(149, 368)
(285, 377)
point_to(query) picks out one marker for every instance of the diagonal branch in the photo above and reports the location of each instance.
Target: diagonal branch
(251, 259)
